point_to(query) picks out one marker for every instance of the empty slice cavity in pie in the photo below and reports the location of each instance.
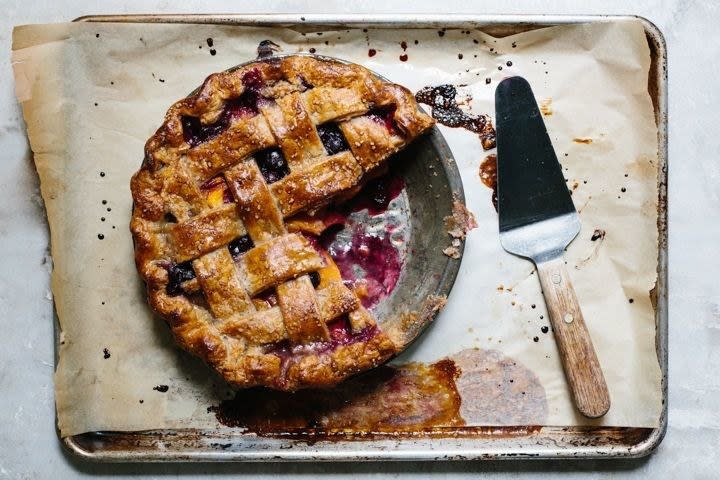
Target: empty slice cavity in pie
(231, 165)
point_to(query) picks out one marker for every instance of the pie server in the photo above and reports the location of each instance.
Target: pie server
(537, 221)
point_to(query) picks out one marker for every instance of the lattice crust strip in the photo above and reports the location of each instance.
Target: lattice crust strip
(230, 164)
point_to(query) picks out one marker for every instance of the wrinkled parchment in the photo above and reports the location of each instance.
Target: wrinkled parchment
(93, 93)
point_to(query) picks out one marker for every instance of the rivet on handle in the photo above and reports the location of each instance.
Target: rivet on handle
(568, 318)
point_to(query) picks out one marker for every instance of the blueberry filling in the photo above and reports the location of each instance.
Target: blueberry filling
(246, 104)
(314, 279)
(341, 334)
(177, 274)
(253, 81)
(332, 138)
(196, 133)
(304, 84)
(272, 164)
(384, 116)
(240, 245)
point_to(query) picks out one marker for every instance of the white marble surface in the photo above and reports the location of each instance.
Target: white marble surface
(28, 445)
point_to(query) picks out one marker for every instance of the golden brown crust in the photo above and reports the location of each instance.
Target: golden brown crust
(206, 258)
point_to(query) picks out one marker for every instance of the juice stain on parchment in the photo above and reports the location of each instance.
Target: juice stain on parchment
(546, 107)
(472, 387)
(488, 176)
(446, 110)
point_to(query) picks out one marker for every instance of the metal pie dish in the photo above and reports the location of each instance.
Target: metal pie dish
(432, 185)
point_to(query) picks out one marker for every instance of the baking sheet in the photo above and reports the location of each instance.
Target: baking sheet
(76, 65)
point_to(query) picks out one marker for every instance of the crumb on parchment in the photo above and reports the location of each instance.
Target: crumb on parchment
(457, 226)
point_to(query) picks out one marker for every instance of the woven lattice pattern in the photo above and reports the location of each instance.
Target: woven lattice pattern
(221, 177)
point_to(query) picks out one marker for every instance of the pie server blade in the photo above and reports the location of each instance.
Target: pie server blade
(537, 220)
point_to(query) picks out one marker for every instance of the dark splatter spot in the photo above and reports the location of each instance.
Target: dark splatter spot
(104, 202)
(475, 41)
(161, 388)
(416, 42)
(513, 45)
(372, 52)
(441, 33)
(106, 353)
(97, 35)
(102, 174)
(403, 45)
(161, 80)
(597, 235)
(141, 401)
(100, 236)
(487, 81)
(267, 48)
(499, 67)
(403, 57)
(544, 329)
(623, 189)
(536, 339)
(508, 63)
(460, 56)
(631, 300)
(312, 50)
(109, 209)
(96, 104)
(102, 219)
(209, 42)
(213, 52)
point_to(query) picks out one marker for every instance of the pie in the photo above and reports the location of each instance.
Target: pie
(216, 202)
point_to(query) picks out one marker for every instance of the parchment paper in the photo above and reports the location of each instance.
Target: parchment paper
(93, 93)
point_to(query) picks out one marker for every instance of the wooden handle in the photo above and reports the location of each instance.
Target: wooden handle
(581, 365)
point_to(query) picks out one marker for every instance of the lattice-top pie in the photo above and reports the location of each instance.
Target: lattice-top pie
(225, 263)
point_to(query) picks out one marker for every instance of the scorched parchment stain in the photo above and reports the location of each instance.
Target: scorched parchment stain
(406, 398)
(498, 390)
(472, 387)
(488, 176)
